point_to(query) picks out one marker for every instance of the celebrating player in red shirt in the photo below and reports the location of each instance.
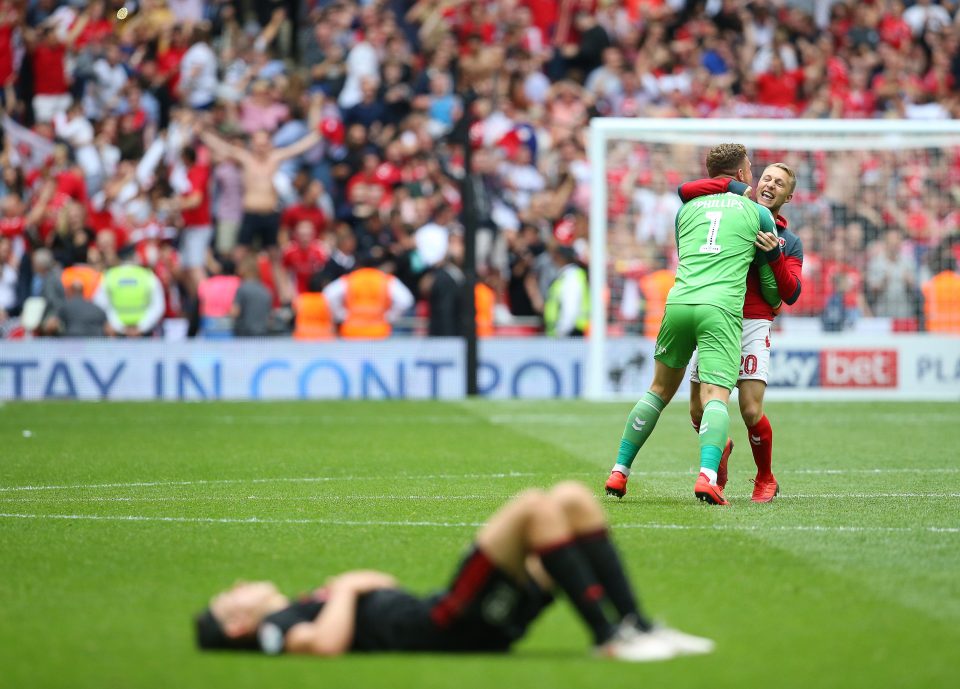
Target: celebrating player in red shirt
(774, 189)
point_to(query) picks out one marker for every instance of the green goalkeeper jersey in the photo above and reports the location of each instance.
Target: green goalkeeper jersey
(715, 240)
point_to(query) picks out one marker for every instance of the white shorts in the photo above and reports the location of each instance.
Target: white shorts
(194, 241)
(754, 352)
(45, 108)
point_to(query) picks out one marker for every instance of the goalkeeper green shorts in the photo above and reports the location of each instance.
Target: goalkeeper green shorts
(713, 332)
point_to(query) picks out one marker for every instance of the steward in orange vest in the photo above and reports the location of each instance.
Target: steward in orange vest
(654, 287)
(941, 295)
(485, 300)
(313, 318)
(366, 302)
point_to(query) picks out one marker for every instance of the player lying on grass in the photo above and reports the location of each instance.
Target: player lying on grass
(537, 541)
(785, 258)
(718, 238)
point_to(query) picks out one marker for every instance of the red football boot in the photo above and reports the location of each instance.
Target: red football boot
(712, 494)
(765, 491)
(616, 484)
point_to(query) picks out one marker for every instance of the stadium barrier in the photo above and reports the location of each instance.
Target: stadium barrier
(916, 367)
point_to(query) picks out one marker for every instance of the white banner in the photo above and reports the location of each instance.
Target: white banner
(28, 149)
(832, 367)
(230, 370)
(814, 367)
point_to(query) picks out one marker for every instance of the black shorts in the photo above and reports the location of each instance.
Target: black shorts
(484, 608)
(262, 226)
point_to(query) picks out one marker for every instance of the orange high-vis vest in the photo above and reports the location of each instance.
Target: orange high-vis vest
(484, 299)
(85, 275)
(366, 302)
(941, 306)
(313, 321)
(654, 288)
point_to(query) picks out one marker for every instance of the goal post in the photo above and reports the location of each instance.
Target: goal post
(839, 149)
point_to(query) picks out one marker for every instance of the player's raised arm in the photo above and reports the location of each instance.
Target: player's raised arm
(717, 185)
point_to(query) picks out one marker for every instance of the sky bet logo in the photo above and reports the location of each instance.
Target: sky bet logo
(834, 368)
(860, 368)
(792, 369)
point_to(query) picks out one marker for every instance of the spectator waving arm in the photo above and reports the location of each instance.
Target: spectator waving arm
(307, 142)
(224, 149)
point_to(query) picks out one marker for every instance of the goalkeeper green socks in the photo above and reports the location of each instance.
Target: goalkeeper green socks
(714, 429)
(640, 424)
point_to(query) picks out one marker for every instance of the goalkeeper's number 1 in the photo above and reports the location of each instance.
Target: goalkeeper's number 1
(711, 247)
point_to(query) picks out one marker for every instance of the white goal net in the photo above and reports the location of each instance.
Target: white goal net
(876, 206)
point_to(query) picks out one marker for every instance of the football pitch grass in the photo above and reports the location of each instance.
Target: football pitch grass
(120, 520)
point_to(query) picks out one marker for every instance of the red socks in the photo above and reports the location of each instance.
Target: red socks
(761, 442)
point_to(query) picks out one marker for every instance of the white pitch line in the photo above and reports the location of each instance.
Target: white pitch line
(792, 527)
(692, 471)
(818, 472)
(350, 522)
(430, 477)
(231, 520)
(227, 481)
(897, 470)
(804, 496)
(390, 498)
(278, 498)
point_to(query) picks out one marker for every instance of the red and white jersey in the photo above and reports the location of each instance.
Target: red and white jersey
(754, 305)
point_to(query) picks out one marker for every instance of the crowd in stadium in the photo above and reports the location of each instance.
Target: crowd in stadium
(220, 163)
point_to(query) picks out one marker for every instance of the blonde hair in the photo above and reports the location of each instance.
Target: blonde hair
(791, 175)
(725, 159)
